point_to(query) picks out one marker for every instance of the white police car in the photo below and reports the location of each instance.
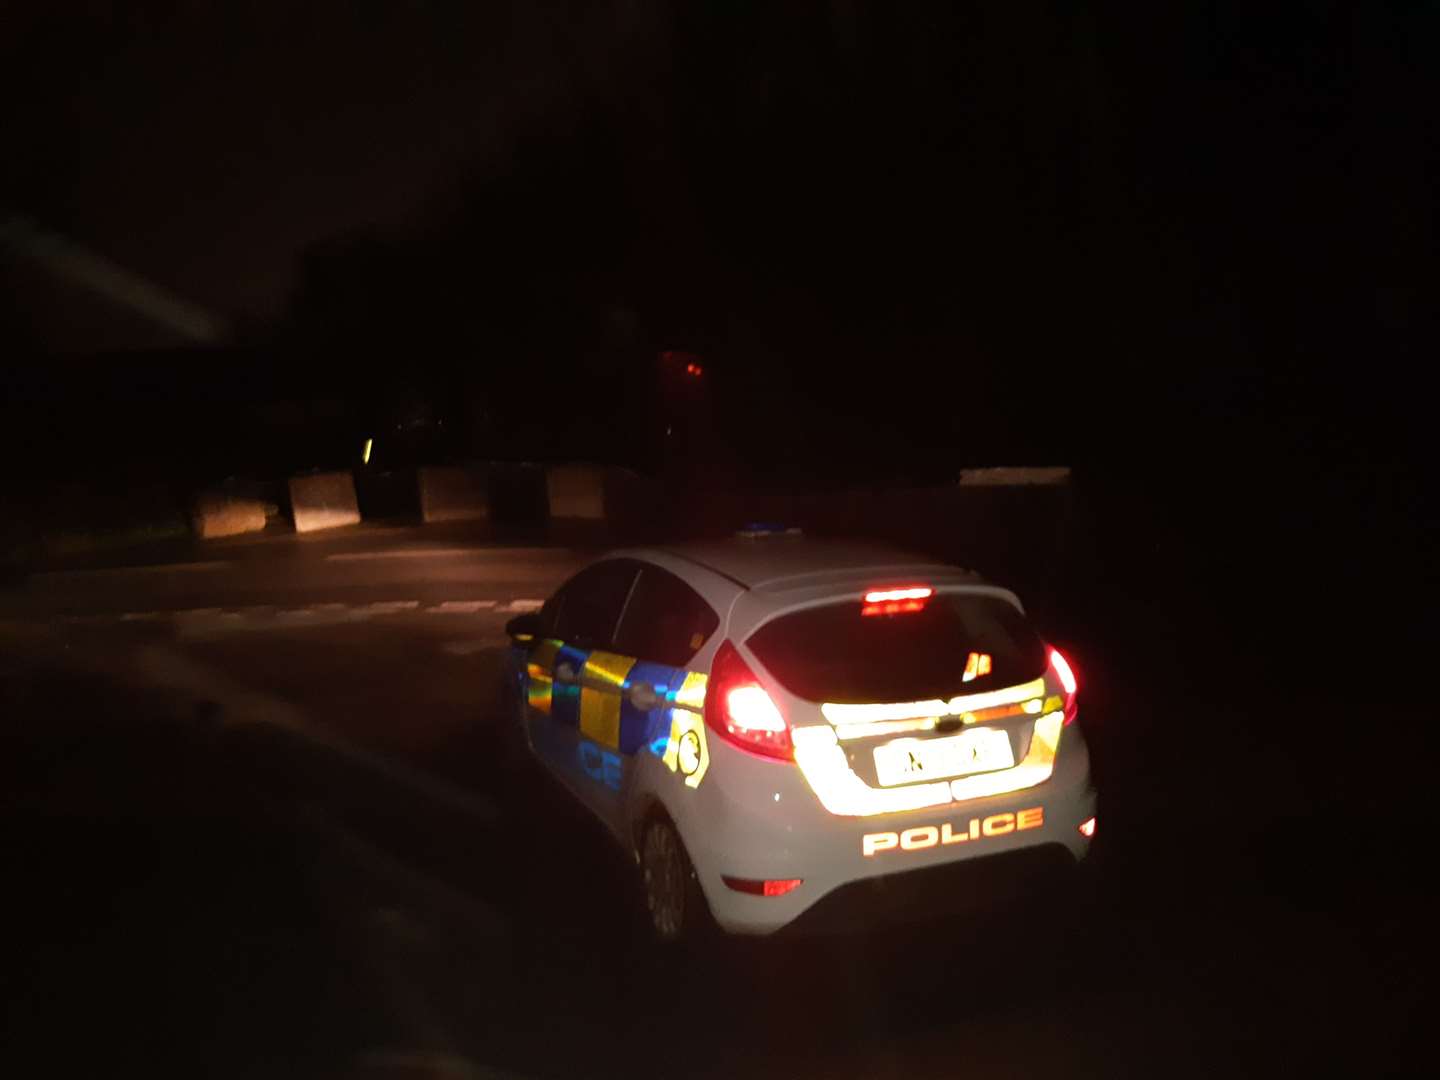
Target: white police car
(765, 721)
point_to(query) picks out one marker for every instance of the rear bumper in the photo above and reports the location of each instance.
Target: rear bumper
(986, 883)
(759, 820)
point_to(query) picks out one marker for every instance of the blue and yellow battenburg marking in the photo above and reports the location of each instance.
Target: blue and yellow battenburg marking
(598, 700)
(685, 749)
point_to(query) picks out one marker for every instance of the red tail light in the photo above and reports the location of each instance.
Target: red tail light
(1066, 674)
(738, 708)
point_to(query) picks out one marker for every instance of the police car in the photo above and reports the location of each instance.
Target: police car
(765, 720)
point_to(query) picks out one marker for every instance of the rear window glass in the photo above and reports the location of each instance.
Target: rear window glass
(833, 653)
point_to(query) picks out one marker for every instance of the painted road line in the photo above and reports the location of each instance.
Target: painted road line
(472, 646)
(400, 553)
(528, 604)
(167, 568)
(383, 606)
(462, 607)
(244, 705)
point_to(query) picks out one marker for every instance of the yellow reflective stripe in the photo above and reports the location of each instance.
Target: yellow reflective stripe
(1009, 696)
(827, 770)
(870, 714)
(884, 727)
(600, 705)
(687, 727)
(1034, 768)
(538, 665)
(608, 668)
(691, 694)
(867, 721)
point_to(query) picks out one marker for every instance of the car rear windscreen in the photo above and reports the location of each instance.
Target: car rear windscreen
(834, 653)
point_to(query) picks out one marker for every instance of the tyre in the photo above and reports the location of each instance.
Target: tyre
(673, 899)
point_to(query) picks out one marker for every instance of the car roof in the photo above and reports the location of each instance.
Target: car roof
(786, 561)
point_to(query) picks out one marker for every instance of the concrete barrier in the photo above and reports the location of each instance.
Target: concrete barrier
(518, 494)
(576, 492)
(1014, 476)
(323, 501)
(454, 493)
(217, 514)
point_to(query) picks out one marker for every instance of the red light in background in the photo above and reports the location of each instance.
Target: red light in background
(1087, 828)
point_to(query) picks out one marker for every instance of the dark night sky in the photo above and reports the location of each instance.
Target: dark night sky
(1132, 220)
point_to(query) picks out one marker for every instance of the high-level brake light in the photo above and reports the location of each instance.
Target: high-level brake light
(1066, 674)
(914, 592)
(896, 601)
(738, 708)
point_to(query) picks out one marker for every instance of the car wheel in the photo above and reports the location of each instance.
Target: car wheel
(672, 892)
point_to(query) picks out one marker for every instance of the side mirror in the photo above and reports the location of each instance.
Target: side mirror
(524, 629)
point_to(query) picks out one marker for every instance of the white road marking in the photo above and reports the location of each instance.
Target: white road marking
(255, 616)
(166, 568)
(399, 553)
(471, 646)
(463, 607)
(242, 704)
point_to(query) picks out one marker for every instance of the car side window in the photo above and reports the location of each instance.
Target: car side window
(589, 605)
(666, 621)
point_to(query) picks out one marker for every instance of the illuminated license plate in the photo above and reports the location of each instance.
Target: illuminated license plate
(906, 761)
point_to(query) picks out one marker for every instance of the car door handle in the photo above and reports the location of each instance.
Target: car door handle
(643, 697)
(565, 672)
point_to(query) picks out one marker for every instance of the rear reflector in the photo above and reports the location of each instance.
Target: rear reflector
(1087, 828)
(762, 888)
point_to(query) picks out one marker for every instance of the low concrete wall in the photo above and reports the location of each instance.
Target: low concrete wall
(454, 493)
(518, 493)
(388, 493)
(576, 492)
(216, 514)
(1014, 476)
(323, 501)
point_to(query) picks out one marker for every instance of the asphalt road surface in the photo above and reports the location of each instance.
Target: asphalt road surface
(261, 821)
